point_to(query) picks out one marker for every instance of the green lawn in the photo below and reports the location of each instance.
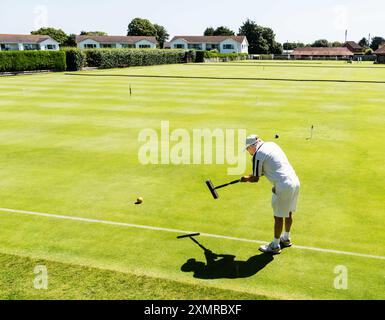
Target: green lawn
(69, 146)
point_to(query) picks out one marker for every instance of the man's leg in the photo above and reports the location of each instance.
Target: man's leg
(274, 246)
(278, 227)
(285, 240)
(288, 222)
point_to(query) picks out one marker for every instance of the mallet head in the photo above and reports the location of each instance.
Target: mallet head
(212, 189)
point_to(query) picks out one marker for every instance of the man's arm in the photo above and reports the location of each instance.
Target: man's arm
(250, 178)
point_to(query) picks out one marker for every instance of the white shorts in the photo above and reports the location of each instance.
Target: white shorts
(285, 198)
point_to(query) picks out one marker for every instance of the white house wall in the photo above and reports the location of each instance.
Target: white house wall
(45, 43)
(238, 47)
(173, 44)
(146, 43)
(83, 44)
(245, 46)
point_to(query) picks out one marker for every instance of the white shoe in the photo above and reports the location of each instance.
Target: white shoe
(285, 243)
(270, 248)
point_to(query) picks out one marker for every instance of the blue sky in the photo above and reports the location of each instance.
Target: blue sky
(293, 20)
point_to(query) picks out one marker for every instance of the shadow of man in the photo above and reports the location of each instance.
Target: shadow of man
(219, 266)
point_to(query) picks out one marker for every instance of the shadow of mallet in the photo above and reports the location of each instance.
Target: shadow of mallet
(191, 236)
(214, 189)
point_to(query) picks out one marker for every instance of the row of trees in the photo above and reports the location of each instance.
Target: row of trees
(374, 44)
(64, 39)
(261, 39)
(364, 43)
(137, 27)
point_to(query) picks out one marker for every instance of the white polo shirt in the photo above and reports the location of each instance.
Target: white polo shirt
(270, 161)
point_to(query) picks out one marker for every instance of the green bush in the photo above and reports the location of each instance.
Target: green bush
(200, 56)
(225, 56)
(93, 58)
(190, 56)
(368, 52)
(76, 59)
(32, 60)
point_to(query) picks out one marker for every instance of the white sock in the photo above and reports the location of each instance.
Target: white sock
(286, 235)
(276, 242)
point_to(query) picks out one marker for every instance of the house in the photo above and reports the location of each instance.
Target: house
(97, 42)
(224, 44)
(20, 42)
(380, 53)
(354, 47)
(322, 53)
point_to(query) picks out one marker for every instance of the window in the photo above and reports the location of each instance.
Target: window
(178, 46)
(228, 47)
(51, 47)
(195, 46)
(89, 46)
(210, 46)
(9, 47)
(108, 45)
(144, 46)
(30, 47)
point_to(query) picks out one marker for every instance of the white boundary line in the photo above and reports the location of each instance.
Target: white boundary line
(129, 225)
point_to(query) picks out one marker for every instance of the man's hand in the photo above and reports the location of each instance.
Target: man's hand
(250, 178)
(245, 179)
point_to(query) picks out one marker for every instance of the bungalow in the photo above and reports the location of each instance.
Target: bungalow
(224, 44)
(97, 42)
(20, 42)
(380, 53)
(354, 47)
(322, 53)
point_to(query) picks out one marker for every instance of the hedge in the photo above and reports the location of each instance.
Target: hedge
(11, 61)
(122, 58)
(227, 56)
(76, 59)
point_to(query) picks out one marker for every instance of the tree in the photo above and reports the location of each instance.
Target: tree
(269, 36)
(368, 52)
(364, 43)
(93, 33)
(223, 31)
(253, 34)
(56, 34)
(276, 48)
(336, 44)
(141, 27)
(376, 42)
(292, 45)
(209, 32)
(261, 39)
(71, 41)
(161, 34)
(322, 43)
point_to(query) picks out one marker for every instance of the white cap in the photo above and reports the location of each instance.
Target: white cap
(251, 140)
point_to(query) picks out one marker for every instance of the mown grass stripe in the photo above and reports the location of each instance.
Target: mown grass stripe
(129, 225)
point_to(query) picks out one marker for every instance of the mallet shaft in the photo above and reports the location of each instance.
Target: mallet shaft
(227, 184)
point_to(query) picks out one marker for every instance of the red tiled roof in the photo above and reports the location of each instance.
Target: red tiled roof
(23, 38)
(209, 39)
(353, 45)
(310, 51)
(116, 39)
(380, 51)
